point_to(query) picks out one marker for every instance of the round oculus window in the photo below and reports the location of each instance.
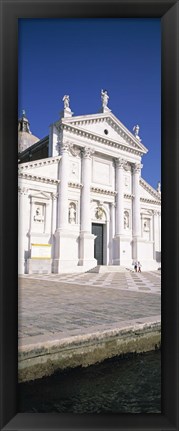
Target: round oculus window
(106, 131)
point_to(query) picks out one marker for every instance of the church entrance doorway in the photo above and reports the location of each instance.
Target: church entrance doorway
(97, 230)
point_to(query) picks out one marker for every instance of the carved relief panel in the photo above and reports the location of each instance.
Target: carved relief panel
(74, 171)
(126, 220)
(127, 183)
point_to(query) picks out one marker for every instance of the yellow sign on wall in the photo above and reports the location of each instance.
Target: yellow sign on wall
(41, 251)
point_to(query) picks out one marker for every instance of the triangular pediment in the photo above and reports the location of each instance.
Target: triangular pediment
(43, 167)
(40, 195)
(148, 192)
(106, 126)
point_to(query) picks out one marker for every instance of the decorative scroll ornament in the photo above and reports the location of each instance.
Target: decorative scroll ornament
(74, 150)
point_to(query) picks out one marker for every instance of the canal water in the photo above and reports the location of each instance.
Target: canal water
(119, 385)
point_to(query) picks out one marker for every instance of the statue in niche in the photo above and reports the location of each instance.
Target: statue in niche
(38, 214)
(104, 98)
(66, 100)
(146, 225)
(126, 220)
(72, 213)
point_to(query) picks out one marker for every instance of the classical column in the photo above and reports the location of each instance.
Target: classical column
(60, 249)
(136, 222)
(86, 249)
(62, 221)
(85, 195)
(120, 196)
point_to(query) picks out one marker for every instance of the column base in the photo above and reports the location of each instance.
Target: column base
(87, 259)
(66, 251)
(122, 253)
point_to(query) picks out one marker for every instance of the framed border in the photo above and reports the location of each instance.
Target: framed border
(168, 11)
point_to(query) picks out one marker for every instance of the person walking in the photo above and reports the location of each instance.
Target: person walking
(139, 266)
(135, 266)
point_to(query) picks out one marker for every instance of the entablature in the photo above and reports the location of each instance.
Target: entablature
(39, 178)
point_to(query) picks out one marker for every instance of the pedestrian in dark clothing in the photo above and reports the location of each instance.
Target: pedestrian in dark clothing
(139, 267)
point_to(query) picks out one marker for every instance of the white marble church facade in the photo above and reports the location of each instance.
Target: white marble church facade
(86, 204)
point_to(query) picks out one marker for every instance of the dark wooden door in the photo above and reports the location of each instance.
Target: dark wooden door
(97, 230)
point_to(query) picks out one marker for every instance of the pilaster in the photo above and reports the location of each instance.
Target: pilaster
(119, 230)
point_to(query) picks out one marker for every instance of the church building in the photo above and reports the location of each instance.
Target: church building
(83, 203)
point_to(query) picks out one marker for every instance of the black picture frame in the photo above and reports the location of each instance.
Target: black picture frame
(168, 11)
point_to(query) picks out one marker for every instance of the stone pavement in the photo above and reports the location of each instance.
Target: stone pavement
(66, 305)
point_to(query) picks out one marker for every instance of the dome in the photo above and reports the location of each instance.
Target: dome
(25, 137)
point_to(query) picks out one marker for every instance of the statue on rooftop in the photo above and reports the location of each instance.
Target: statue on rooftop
(136, 132)
(104, 98)
(66, 100)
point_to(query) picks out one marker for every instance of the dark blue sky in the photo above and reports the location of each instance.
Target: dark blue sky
(79, 57)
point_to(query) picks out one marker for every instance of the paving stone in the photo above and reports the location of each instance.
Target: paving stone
(49, 305)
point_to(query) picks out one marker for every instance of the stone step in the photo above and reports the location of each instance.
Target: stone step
(108, 268)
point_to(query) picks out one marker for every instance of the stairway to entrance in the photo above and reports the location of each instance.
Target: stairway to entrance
(108, 268)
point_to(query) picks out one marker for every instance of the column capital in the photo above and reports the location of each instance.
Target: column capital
(54, 196)
(23, 190)
(87, 152)
(136, 168)
(120, 163)
(65, 147)
(112, 204)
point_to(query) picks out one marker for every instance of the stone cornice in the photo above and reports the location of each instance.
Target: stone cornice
(103, 191)
(150, 201)
(100, 139)
(39, 178)
(150, 189)
(38, 163)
